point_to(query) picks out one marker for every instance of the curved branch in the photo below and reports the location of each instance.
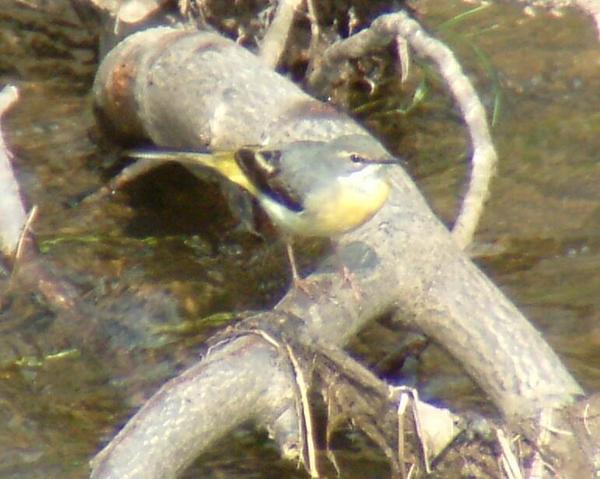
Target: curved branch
(190, 412)
(404, 256)
(192, 89)
(383, 31)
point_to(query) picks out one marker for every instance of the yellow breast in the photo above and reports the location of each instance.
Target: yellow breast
(343, 205)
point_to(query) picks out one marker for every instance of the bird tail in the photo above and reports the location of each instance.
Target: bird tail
(223, 162)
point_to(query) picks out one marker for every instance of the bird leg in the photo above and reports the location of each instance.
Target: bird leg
(307, 286)
(301, 284)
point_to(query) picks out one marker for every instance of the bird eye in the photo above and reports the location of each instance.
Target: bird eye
(356, 158)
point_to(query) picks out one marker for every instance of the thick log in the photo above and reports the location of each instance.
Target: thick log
(187, 89)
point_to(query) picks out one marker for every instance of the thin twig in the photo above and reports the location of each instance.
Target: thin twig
(508, 460)
(31, 217)
(276, 38)
(586, 414)
(315, 30)
(404, 56)
(311, 449)
(402, 405)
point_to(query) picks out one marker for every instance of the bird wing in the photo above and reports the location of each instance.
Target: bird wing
(263, 169)
(223, 162)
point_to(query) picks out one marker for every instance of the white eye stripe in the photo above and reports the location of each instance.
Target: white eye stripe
(363, 159)
(362, 172)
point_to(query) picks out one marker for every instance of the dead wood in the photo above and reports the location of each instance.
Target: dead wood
(405, 261)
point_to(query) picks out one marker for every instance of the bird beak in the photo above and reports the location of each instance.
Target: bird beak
(390, 161)
(387, 160)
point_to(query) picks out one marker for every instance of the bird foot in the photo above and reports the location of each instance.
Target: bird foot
(349, 278)
(307, 286)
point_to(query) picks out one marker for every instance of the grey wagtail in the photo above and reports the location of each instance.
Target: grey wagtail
(307, 188)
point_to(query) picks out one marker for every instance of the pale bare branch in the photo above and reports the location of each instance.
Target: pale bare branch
(12, 211)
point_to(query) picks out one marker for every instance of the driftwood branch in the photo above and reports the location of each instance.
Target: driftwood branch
(405, 261)
(415, 262)
(257, 371)
(186, 415)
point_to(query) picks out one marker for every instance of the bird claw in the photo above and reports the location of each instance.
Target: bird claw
(349, 278)
(305, 285)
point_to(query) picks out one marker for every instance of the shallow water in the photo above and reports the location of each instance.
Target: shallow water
(539, 234)
(153, 254)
